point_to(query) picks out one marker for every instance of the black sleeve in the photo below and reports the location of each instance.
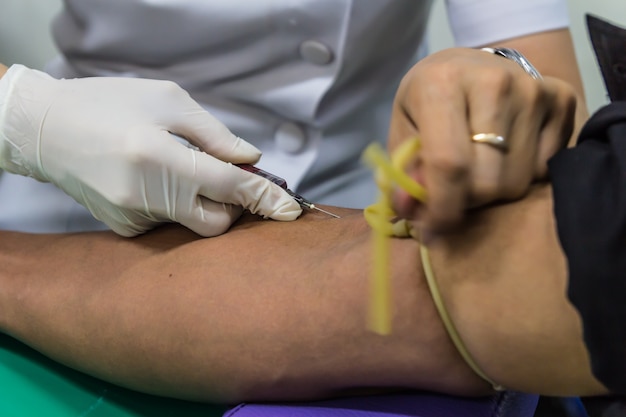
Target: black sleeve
(589, 186)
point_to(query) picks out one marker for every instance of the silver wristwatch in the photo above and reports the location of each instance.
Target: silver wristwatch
(516, 57)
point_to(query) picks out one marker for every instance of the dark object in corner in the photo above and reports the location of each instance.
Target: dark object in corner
(609, 45)
(589, 190)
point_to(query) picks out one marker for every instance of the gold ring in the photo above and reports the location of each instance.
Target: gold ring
(492, 139)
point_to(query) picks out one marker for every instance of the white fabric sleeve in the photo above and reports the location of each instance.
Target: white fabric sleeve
(477, 23)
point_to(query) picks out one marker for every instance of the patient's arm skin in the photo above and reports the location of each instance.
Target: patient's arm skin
(277, 310)
(504, 279)
(267, 311)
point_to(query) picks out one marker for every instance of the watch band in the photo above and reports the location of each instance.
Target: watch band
(516, 57)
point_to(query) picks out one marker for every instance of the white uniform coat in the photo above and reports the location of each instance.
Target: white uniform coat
(309, 82)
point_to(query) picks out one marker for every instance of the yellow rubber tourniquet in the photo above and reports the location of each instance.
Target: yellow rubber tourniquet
(380, 216)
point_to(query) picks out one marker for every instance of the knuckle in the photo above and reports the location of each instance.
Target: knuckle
(450, 166)
(171, 87)
(443, 70)
(137, 158)
(554, 96)
(562, 89)
(559, 113)
(496, 82)
(135, 152)
(535, 92)
(437, 80)
(567, 99)
(444, 75)
(566, 113)
(169, 90)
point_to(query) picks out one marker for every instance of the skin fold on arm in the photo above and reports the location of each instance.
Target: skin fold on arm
(277, 311)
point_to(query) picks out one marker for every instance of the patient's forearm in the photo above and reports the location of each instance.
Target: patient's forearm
(276, 310)
(268, 311)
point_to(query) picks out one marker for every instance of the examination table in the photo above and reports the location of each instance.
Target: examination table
(32, 385)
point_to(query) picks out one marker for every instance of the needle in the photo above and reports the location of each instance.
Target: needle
(301, 200)
(314, 207)
(283, 184)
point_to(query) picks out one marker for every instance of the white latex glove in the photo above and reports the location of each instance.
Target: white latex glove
(109, 143)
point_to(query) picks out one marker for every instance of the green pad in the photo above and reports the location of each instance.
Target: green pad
(33, 385)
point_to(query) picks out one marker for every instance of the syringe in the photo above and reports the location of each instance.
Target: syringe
(283, 184)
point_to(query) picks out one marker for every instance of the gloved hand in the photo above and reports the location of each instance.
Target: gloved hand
(110, 144)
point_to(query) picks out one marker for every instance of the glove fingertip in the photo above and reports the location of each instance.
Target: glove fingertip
(126, 231)
(269, 200)
(287, 212)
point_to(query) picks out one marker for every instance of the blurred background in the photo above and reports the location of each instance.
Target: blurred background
(24, 35)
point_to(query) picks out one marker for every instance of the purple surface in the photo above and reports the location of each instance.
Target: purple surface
(504, 404)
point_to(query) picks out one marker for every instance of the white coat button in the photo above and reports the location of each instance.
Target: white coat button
(316, 52)
(290, 138)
